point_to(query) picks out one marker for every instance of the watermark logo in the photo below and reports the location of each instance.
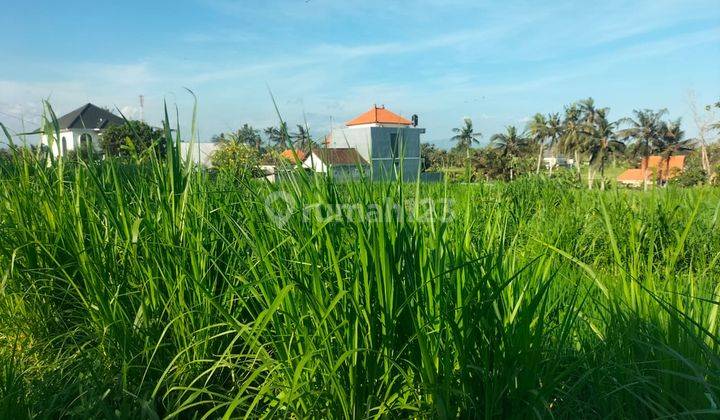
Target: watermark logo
(280, 206)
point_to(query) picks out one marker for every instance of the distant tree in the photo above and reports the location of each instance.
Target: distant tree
(273, 135)
(672, 142)
(601, 144)
(302, 139)
(278, 136)
(644, 131)
(236, 158)
(692, 175)
(432, 157)
(706, 125)
(246, 135)
(715, 105)
(554, 130)
(571, 136)
(714, 125)
(490, 163)
(590, 114)
(465, 136)
(537, 129)
(132, 137)
(272, 157)
(511, 145)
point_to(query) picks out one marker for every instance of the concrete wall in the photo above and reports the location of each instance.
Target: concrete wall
(373, 144)
(385, 165)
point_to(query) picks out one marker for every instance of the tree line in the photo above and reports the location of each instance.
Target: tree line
(275, 137)
(583, 132)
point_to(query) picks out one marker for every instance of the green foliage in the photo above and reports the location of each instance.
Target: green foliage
(272, 157)
(302, 139)
(433, 158)
(692, 175)
(465, 136)
(236, 158)
(131, 138)
(5, 155)
(584, 133)
(565, 177)
(512, 146)
(278, 136)
(244, 135)
(489, 163)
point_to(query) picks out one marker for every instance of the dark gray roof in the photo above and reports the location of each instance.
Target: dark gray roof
(89, 116)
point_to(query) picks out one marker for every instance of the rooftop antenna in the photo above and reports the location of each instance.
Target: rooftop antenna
(142, 108)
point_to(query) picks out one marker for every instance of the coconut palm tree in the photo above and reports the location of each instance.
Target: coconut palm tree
(510, 144)
(537, 129)
(572, 134)
(302, 139)
(602, 143)
(672, 141)
(247, 135)
(278, 135)
(644, 131)
(554, 130)
(590, 113)
(466, 136)
(715, 126)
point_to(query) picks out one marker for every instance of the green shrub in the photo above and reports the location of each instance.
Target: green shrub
(692, 175)
(237, 159)
(132, 138)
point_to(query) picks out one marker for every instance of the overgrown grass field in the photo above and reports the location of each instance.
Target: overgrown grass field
(146, 289)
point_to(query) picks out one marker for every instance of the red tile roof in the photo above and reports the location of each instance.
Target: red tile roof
(289, 155)
(655, 166)
(633, 175)
(378, 115)
(676, 162)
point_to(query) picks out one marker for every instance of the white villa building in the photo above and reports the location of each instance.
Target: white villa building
(81, 127)
(552, 161)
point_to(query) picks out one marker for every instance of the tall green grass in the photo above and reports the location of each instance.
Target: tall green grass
(147, 288)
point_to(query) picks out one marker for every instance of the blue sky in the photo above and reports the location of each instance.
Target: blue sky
(329, 60)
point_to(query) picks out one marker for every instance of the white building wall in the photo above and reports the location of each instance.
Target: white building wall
(72, 140)
(199, 152)
(339, 172)
(359, 138)
(313, 162)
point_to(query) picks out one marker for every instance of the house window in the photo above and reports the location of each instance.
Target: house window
(64, 146)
